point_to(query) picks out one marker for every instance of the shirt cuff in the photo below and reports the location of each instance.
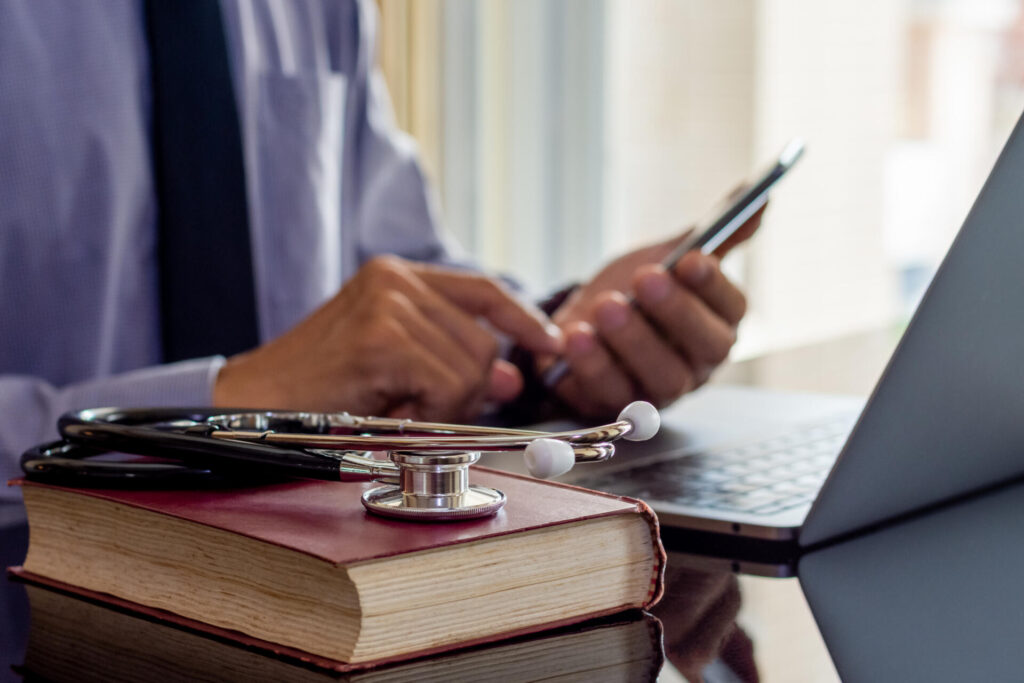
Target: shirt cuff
(187, 383)
(30, 407)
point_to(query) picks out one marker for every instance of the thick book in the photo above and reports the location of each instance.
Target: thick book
(76, 638)
(304, 566)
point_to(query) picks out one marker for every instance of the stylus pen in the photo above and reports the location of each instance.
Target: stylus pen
(706, 242)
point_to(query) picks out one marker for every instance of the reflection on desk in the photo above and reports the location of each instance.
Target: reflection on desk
(934, 598)
(77, 640)
(699, 613)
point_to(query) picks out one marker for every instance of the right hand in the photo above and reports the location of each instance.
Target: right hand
(400, 339)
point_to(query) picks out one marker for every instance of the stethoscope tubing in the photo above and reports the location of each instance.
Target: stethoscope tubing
(126, 432)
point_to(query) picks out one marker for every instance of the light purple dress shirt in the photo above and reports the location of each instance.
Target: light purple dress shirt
(331, 182)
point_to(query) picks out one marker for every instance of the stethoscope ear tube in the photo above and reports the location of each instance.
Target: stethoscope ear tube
(257, 458)
(91, 433)
(66, 464)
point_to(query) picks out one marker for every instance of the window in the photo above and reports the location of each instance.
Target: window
(563, 132)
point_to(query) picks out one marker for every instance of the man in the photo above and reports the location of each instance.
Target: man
(357, 304)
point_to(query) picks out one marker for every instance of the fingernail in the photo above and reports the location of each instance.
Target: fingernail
(697, 269)
(653, 287)
(505, 382)
(580, 342)
(612, 315)
(557, 338)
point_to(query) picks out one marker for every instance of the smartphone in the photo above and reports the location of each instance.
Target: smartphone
(739, 207)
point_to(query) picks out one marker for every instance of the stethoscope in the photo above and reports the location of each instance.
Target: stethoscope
(425, 476)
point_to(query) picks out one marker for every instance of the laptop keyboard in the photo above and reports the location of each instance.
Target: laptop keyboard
(761, 478)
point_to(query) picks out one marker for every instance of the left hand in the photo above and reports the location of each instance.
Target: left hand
(682, 327)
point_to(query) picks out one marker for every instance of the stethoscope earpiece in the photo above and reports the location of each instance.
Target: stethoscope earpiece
(546, 458)
(644, 417)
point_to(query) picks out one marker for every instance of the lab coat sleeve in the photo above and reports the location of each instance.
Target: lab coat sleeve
(29, 406)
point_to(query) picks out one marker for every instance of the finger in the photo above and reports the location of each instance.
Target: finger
(424, 331)
(659, 370)
(467, 380)
(423, 387)
(595, 384)
(395, 275)
(737, 191)
(684, 319)
(703, 276)
(488, 298)
(504, 383)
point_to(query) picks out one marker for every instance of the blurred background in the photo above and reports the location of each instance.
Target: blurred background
(560, 133)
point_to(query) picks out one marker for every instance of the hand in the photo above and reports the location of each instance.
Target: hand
(699, 612)
(682, 327)
(401, 340)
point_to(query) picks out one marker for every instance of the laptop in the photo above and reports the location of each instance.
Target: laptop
(946, 419)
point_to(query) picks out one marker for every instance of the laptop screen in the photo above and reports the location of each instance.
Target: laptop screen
(947, 417)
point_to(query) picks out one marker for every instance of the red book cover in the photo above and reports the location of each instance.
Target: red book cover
(325, 520)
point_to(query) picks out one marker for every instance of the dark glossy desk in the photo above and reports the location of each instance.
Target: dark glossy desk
(13, 603)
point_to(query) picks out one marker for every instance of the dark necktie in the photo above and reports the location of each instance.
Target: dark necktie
(206, 280)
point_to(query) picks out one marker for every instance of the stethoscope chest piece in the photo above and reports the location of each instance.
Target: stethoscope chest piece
(434, 486)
